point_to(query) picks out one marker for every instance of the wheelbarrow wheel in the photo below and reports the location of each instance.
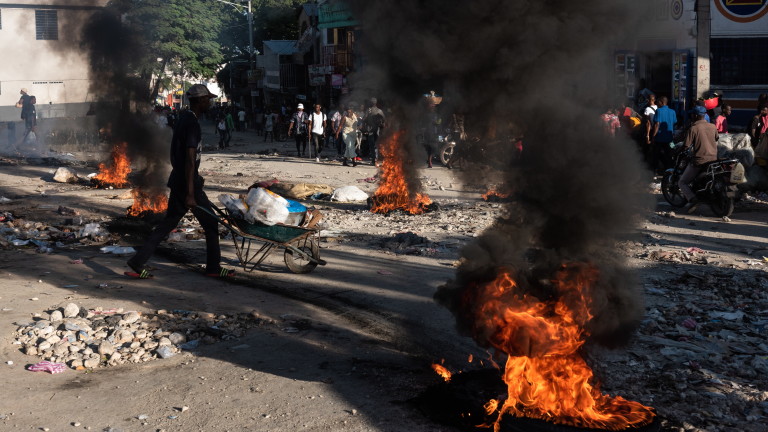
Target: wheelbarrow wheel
(299, 264)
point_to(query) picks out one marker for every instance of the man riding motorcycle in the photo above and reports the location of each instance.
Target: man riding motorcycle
(702, 135)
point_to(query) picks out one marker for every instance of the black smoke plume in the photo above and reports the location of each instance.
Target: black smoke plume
(123, 108)
(541, 70)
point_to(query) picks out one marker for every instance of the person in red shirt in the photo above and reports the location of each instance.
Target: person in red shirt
(721, 122)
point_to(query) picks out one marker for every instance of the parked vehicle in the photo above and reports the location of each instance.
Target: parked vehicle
(715, 185)
(446, 145)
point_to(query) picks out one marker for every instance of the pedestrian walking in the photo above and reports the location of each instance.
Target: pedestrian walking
(269, 126)
(28, 114)
(348, 127)
(221, 129)
(335, 117)
(230, 126)
(187, 193)
(317, 130)
(300, 121)
(373, 122)
(241, 120)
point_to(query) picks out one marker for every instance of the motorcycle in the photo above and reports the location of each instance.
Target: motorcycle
(446, 145)
(716, 185)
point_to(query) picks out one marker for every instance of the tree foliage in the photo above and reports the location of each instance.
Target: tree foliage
(178, 35)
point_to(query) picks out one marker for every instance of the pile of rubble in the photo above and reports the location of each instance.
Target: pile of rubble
(85, 339)
(702, 345)
(45, 237)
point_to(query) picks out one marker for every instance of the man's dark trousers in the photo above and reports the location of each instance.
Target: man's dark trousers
(176, 210)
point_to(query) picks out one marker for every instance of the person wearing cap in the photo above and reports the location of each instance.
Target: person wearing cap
(300, 119)
(702, 135)
(664, 122)
(187, 193)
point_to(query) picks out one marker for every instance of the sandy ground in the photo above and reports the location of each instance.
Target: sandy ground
(368, 328)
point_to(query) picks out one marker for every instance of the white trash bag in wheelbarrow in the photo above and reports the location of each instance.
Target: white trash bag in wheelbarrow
(266, 207)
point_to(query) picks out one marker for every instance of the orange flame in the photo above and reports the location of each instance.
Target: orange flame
(493, 193)
(442, 371)
(546, 376)
(393, 192)
(144, 202)
(117, 173)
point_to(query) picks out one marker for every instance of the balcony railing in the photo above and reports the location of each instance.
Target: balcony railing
(340, 57)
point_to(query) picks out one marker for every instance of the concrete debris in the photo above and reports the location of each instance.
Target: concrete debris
(97, 338)
(65, 175)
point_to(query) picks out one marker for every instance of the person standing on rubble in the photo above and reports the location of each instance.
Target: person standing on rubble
(28, 113)
(187, 193)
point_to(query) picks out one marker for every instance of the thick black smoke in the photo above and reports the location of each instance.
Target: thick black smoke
(122, 93)
(540, 69)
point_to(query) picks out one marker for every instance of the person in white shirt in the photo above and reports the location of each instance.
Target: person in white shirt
(241, 120)
(317, 127)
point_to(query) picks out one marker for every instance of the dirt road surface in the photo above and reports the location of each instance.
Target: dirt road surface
(345, 347)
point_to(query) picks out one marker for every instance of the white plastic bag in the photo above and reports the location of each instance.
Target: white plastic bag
(267, 207)
(349, 194)
(235, 205)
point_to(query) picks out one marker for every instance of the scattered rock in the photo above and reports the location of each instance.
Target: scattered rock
(65, 175)
(71, 310)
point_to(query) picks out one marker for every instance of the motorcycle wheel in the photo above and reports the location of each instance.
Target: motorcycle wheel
(446, 152)
(721, 204)
(671, 191)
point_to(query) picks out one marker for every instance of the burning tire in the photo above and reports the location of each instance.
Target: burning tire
(299, 264)
(671, 190)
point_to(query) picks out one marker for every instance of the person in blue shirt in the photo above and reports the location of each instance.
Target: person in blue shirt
(663, 127)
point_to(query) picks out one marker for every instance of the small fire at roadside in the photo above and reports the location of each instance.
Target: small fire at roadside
(545, 375)
(393, 192)
(147, 203)
(495, 195)
(116, 173)
(442, 371)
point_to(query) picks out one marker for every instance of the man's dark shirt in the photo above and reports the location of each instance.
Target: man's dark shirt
(26, 106)
(186, 135)
(298, 119)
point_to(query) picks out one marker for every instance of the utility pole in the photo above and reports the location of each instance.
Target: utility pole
(250, 57)
(703, 30)
(249, 10)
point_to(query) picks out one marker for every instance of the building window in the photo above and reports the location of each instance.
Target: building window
(46, 24)
(739, 61)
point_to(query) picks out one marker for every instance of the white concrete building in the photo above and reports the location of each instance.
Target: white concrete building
(39, 44)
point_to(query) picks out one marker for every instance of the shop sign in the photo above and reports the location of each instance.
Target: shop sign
(739, 18)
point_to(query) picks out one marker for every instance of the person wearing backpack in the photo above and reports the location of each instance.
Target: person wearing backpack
(300, 120)
(28, 114)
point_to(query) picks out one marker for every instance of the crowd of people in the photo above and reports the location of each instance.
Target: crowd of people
(655, 126)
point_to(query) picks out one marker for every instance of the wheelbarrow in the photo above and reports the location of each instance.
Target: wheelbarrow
(301, 243)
